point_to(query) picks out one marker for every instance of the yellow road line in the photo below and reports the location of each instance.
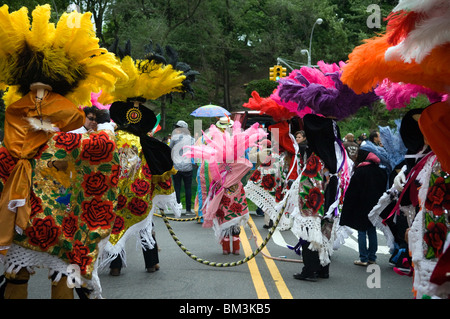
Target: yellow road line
(278, 279)
(258, 282)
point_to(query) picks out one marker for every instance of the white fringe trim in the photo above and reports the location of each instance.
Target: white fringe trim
(225, 229)
(142, 231)
(377, 221)
(19, 257)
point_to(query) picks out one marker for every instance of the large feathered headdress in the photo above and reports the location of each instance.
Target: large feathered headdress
(269, 107)
(414, 49)
(226, 146)
(323, 92)
(66, 56)
(399, 95)
(148, 79)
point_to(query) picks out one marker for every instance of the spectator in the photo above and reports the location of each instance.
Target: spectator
(300, 138)
(90, 123)
(366, 186)
(362, 139)
(351, 146)
(181, 137)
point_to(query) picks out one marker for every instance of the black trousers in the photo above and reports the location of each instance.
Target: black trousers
(186, 178)
(151, 258)
(311, 262)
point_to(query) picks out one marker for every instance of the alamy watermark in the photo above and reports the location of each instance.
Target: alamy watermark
(374, 279)
(374, 19)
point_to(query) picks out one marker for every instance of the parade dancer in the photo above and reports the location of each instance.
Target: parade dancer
(51, 216)
(414, 49)
(225, 208)
(145, 176)
(268, 184)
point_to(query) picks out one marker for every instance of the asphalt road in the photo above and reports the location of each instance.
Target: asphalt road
(183, 279)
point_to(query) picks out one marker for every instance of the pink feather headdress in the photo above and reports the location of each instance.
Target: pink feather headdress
(225, 146)
(398, 95)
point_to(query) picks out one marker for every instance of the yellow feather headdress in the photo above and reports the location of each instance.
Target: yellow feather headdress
(66, 56)
(147, 79)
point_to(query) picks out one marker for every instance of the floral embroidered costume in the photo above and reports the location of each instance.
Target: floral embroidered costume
(268, 184)
(414, 50)
(225, 208)
(61, 220)
(318, 191)
(145, 182)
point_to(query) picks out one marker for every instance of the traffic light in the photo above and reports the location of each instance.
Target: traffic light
(272, 75)
(277, 72)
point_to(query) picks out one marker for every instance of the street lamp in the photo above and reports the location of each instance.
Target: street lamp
(318, 21)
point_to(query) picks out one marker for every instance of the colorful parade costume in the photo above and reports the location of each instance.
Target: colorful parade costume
(316, 208)
(269, 183)
(145, 182)
(225, 208)
(48, 174)
(414, 50)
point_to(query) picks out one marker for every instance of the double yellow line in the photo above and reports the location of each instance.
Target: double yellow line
(258, 281)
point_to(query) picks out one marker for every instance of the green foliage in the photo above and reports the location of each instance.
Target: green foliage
(366, 120)
(264, 87)
(233, 43)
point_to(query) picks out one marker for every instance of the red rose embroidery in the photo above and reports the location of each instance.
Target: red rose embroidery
(44, 233)
(236, 208)
(268, 182)
(314, 199)
(80, 256)
(67, 141)
(313, 166)
(7, 163)
(121, 201)
(435, 236)
(119, 223)
(94, 184)
(36, 205)
(165, 185)
(98, 148)
(140, 187)
(220, 214)
(147, 172)
(97, 213)
(114, 177)
(279, 194)
(225, 201)
(70, 226)
(255, 176)
(438, 197)
(137, 206)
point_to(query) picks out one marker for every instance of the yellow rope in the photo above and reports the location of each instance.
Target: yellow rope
(211, 263)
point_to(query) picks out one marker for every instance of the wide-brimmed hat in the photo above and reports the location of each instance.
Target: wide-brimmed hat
(224, 122)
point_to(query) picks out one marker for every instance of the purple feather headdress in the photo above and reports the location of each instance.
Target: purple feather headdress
(324, 93)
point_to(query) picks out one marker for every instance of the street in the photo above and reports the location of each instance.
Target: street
(182, 278)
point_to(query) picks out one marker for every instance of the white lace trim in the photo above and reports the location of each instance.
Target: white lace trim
(141, 230)
(19, 257)
(377, 221)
